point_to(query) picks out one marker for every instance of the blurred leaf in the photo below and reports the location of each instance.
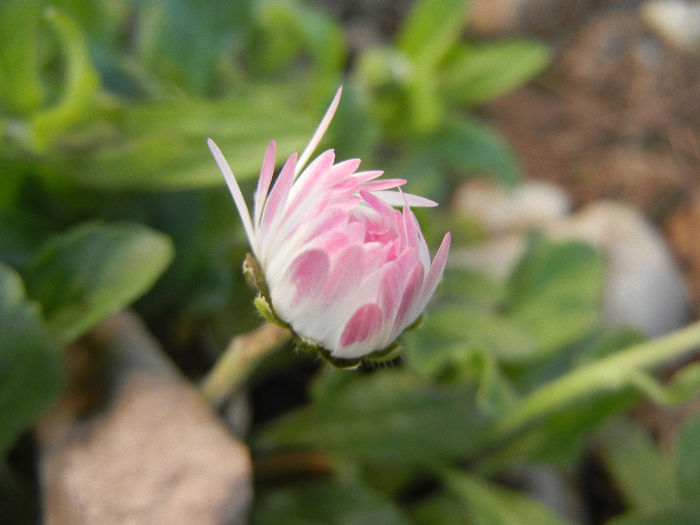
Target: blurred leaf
(606, 343)
(688, 458)
(451, 334)
(30, 367)
(81, 82)
(555, 292)
(404, 419)
(479, 74)
(327, 502)
(471, 146)
(640, 472)
(287, 28)
(686, 514)
(427, 110)
(431, 28)
(684, 385)
(488, 504)
(559, 438)
(21, 234)
(182, 41)
(471, 289)
(438, 509)
(20, 82)
(610, 376)
(93, 271)
(495, 394)
(681, 389)
(163, 146)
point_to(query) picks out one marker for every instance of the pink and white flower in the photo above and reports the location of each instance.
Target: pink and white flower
(345, 270)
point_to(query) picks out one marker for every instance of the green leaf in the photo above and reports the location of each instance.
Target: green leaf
(30, 367)
(472, 146)
(555, 292)
(495, 394)
(431, 29)
(606, 377)
(643, 475)
(607, 343)
(20, 82)
(286, 28)
(488, 504)
(327, 502)
(686, 514)
(21, 235)
(403, 419)
(558, 439)
(438, 509)
(688, 458)
(163, 146)
(93, 271)
(181, 41)
(80, 85)
(479, 74)
(451, 334)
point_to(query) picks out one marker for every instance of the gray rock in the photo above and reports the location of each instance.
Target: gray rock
(131, 442)
(498, 210)
(643, 288)
(675, 21)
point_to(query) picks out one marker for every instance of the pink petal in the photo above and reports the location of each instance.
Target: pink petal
(411, 227)
(377, 204)
(363, 325)
(318, 134)
(364, 176)
(268, 168)
(308, 272)
(312, 180)
(383, 184)
(436, 270)
(347, 272)
(390, 290)
(279, 194)
(411, 292)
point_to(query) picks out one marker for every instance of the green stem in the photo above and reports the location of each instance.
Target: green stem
(238, 360)
(609, 374)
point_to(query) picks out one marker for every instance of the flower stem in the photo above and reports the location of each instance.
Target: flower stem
(609, 374)
(235, 364)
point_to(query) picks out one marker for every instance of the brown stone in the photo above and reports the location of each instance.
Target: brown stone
(149, 451)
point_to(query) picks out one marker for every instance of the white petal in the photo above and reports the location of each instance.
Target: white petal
(236, 193)
(318, 134)
(395, 198)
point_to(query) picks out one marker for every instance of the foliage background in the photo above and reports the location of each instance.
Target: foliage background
(109, 198)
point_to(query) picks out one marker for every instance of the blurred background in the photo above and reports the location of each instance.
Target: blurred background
(562, 141)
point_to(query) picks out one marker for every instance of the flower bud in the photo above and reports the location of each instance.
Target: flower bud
(333, 258)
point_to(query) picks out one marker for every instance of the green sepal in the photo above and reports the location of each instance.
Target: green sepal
(306, 344)
(340, 364)
(265, 309)
(256, 279)
(386, 354)
(416, 324)
(255, 276)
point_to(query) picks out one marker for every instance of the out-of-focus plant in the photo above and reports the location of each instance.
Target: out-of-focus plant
(503, 376)
(417, 88)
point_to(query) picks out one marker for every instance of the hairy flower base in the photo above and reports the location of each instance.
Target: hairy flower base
(256, 279)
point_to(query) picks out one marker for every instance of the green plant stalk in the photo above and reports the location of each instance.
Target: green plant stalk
(608, 375)
(238, 360)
